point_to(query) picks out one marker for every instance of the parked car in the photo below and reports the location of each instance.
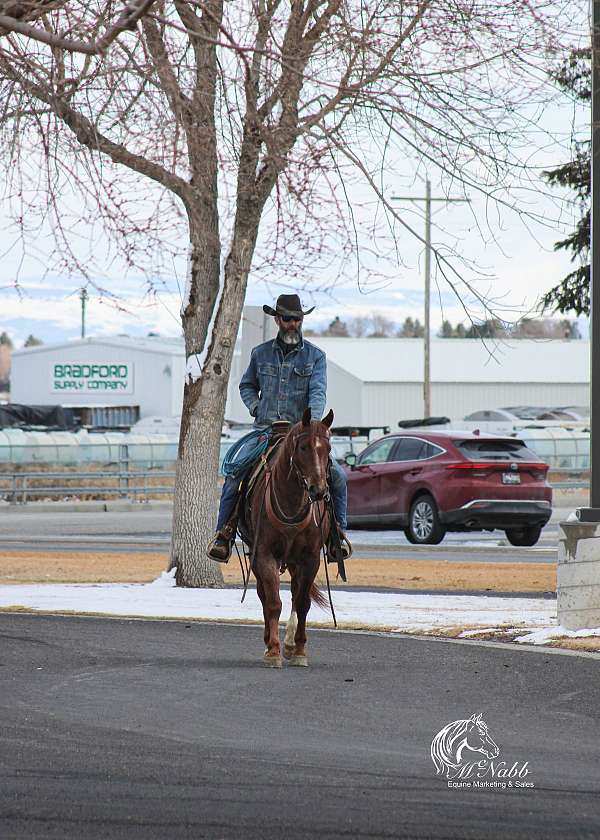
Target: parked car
(428, 483)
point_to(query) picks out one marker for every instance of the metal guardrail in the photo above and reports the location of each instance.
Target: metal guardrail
(21, 487)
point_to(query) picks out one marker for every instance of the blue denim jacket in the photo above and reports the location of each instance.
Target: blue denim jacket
(278, 388)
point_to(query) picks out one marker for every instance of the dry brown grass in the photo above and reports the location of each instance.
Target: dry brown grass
(141, 567)
(590, 643)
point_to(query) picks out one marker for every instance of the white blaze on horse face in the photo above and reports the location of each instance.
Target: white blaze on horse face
(320, 470)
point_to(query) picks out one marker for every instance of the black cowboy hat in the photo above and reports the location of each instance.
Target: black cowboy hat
(287, 305)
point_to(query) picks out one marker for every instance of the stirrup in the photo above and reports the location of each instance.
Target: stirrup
(338, 549)
(347, 549)
(219, 548)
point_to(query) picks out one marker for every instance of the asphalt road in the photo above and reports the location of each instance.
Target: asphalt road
(122, 729)
(149, 530)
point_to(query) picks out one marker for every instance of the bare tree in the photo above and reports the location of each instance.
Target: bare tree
(24, 18)
(381, 327)
(358, 326)
(237, 114)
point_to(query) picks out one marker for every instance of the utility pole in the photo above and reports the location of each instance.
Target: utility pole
(427, 325)
(84, 296)
(592, 513)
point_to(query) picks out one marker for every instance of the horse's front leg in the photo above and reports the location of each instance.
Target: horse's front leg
(267, 587)
(289, 642)
(305, 578)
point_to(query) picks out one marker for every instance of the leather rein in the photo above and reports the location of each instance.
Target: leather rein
(313, 511)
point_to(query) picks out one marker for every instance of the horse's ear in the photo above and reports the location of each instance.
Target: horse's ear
(306, 417)
(328, 419)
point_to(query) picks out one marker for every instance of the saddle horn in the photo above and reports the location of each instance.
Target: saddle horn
(306, 417)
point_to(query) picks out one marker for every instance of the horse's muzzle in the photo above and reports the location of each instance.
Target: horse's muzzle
(315, 494)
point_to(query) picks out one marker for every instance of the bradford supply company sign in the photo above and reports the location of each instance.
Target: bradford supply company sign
(92, 378)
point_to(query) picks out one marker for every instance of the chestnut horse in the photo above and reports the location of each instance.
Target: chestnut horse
(287, 521)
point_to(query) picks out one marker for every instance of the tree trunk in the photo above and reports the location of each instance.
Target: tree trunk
(195, 496)
(195, 501)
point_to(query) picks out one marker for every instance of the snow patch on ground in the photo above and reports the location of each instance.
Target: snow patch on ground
(547, 634)
(398, 611)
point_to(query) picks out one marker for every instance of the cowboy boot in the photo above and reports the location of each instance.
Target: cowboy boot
(339, 547)
(219, 548)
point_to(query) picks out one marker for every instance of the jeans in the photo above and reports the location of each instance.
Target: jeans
(337, 487)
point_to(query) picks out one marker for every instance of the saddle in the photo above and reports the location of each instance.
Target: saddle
(238, 521)
(279, 430)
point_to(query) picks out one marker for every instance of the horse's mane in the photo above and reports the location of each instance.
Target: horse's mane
(442, 746)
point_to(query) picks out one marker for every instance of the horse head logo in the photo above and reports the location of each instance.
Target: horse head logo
(448, 745)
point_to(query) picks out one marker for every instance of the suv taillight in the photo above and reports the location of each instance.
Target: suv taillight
(538, 470)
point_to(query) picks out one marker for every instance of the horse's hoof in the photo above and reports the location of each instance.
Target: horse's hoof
(288, 652)
(299, 661)
(273, 661)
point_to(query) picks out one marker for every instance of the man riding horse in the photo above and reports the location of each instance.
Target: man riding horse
(284, 378)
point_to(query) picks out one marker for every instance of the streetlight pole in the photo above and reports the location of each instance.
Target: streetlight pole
(84, 296)
(427, 309)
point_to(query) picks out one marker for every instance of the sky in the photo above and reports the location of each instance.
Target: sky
(523, 269)
(510, 260)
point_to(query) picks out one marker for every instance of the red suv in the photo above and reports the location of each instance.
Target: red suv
(431, 482)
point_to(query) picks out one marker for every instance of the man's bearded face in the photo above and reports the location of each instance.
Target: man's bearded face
(290, 332)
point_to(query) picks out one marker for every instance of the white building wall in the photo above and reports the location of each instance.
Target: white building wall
(459, 399)
(150, 384)
(343, 396)
(235, 409)
(386, 403)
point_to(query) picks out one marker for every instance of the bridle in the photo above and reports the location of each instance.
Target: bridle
(273, 508)
(294, 466)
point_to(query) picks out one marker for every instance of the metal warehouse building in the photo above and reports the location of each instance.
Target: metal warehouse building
(375, 381)
(371, 381)
(146, 373)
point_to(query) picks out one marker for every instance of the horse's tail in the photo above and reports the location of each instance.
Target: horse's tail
(317, 597)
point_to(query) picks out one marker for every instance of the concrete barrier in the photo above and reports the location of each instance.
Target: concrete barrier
(578, 575)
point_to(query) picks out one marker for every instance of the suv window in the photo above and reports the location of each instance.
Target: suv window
(495, 450)
(378, 453)
(415, 449)
(410, 449)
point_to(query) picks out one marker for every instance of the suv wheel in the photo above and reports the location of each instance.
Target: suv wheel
(424, 527)
(524, 536)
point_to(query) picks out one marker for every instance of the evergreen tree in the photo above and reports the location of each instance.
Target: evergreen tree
(573, 293)
(419, 329)
(337, 328)
(407, 330)
(447, 330)
(486, 329)
(6, 340)
(32, 341)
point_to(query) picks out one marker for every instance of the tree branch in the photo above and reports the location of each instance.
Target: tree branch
(127, 20)
(90, 137)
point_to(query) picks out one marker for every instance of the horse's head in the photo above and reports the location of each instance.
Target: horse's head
(310, 448)
(478, 738)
